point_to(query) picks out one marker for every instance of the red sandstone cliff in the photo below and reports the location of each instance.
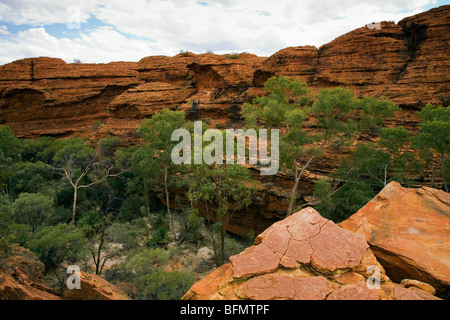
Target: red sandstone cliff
(407, 62)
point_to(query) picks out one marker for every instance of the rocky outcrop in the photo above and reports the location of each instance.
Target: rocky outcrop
(407, 62)
(408, 231)
(46, 96)
(294, 62)
(304, 257)
(21, 279)
(219, 83)
(93, 287)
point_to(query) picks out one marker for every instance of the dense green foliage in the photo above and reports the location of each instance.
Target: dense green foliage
(312, 126)
(144, 267)
(218, 186)
(92, 202)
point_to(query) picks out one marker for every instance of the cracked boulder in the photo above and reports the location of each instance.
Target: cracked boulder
(303, 257)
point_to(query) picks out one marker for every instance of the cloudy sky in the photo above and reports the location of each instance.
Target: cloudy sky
(101, 31)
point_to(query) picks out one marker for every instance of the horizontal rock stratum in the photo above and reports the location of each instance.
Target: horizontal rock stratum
(304, 257)
(407, 62)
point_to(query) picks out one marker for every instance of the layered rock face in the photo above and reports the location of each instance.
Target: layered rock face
(46, 96)
(217, 82)
(305, 257)
(21, 279)
(409, 232)
(407, 62)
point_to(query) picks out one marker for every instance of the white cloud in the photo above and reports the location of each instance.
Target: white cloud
(101, 45)
(3, 30)
(256, 26)
(42, 12)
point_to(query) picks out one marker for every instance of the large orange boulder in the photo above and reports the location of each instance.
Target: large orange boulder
(21, 277)
(409, 232)
(304, 257)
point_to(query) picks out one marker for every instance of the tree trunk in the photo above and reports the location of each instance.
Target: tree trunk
(208, 220)
(443, 171)
(74, 206)
(433, 173)
(166, 189)
(147, 200)
(222, 242)
(293, 196)
(295, 186)
(99, 254)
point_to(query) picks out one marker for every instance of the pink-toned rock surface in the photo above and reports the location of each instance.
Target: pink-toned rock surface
(356, 291)
(303, 257)
(402, 293)
(409, 232)
(255, 260)
(283, 287)
(305, 238)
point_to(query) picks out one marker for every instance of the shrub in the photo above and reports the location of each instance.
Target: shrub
(55, 244)
(32, 209)
(145, 268)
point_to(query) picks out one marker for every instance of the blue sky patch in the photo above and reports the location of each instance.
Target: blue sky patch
(69, 31)
(438, 3)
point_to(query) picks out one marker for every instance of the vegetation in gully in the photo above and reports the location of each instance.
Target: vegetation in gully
(92, 203)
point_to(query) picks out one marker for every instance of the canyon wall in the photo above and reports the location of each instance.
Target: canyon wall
(406, 62)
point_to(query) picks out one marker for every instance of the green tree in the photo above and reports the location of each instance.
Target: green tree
(83, 166)
(344, 201)
(156, 153)
(402, 163)
(6, 223)
(32, 209)
(222, 190)
(55, 244)
(146, 174)
(31, 177)
(359, 177)
(146, 269)
(39, 149)
(101, 239)
(10, 232)
(10, 154)
(433, 141)
(310, 130)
